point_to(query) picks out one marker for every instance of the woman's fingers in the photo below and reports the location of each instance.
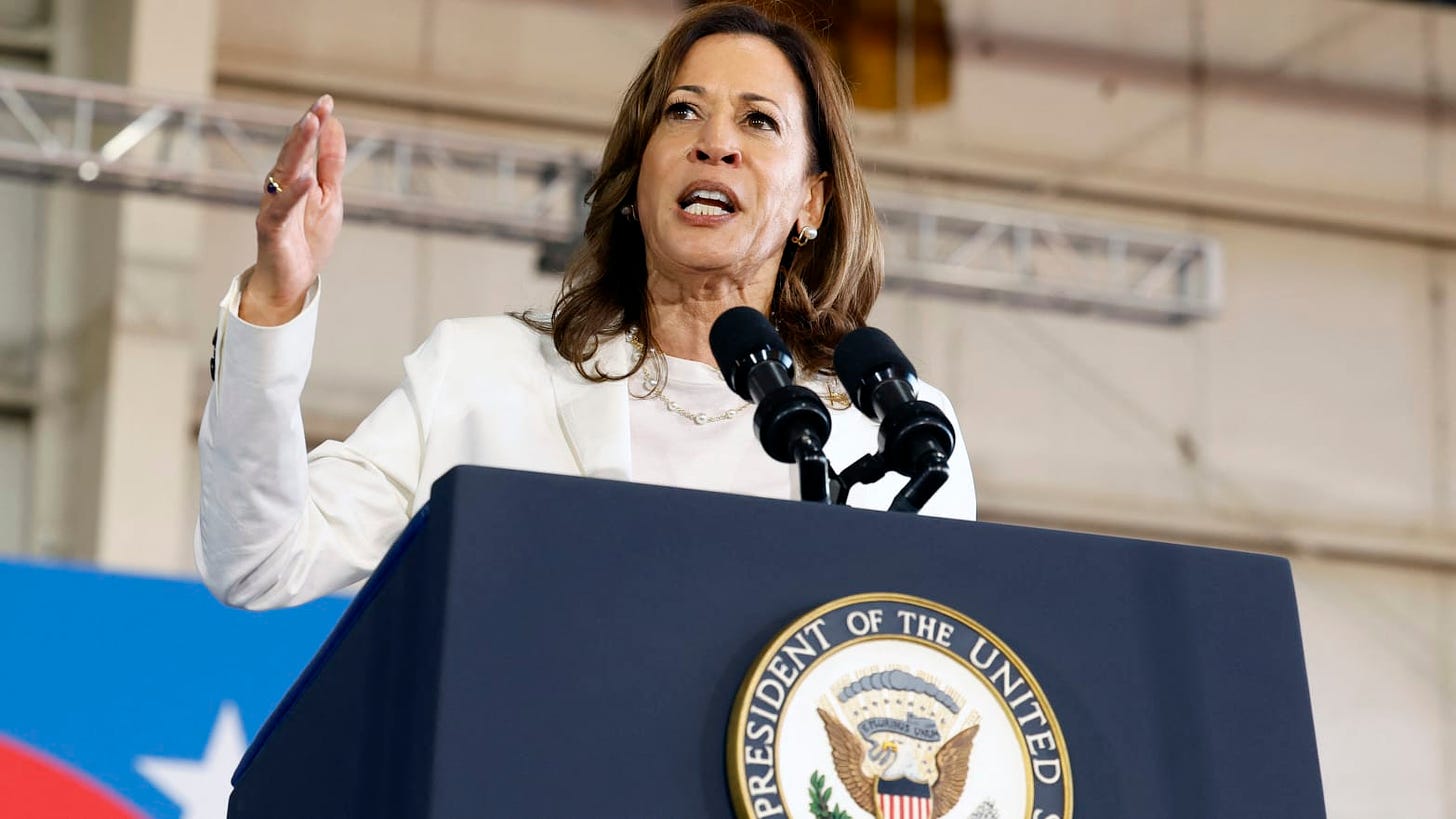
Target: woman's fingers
(294, 156)
(291, 166)
(332, 153)
(277, 207)
(323, 107)
(296, 224)
(295, 170)
(298, 154)
(312, 123)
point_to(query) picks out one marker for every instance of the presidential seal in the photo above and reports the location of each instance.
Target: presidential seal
(885, 706)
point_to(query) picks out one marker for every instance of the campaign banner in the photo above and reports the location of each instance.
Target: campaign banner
(125, 696)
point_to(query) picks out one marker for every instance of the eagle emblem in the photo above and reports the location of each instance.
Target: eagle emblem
(895, 762)
(888, 706)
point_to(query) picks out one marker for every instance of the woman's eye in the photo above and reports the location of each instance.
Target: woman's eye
(758, 119)
(680, 110)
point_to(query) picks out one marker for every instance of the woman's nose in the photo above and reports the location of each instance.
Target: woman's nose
(714, 155)
(714, 147)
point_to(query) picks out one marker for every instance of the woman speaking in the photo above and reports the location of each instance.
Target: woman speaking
(729, 179)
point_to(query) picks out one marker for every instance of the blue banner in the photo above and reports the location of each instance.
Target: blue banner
(126, 696)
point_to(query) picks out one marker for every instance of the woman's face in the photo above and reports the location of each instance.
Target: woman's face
(726, 172)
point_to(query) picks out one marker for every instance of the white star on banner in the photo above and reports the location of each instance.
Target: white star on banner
(201, 787)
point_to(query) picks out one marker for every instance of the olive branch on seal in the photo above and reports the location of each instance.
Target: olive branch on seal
(819, 799)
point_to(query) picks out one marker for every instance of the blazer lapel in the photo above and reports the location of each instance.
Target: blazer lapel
(594, 416)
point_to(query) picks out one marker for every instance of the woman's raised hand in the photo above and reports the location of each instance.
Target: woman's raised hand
(298, 218)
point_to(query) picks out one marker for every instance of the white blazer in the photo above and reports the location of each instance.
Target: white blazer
(278, 526)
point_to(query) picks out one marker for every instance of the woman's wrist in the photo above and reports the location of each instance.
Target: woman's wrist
(264, 307)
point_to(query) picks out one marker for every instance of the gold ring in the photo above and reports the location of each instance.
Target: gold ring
(272, 186)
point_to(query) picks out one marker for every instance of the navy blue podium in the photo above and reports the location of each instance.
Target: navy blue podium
(544, 646)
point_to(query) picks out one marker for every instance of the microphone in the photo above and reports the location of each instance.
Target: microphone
(916, 438)
(791, 422)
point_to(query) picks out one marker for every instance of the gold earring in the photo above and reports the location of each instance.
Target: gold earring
(806, 235)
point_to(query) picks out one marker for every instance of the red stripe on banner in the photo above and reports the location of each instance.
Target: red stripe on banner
(36, 785)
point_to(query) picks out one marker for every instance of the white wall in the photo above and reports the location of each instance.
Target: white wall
(1379, 646)
(19, 232)
(14, 483)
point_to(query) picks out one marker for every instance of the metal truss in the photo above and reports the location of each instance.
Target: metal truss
(117, 137)
(112, 136)
(1039, 259)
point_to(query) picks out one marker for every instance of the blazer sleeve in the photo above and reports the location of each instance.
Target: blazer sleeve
(279, 526)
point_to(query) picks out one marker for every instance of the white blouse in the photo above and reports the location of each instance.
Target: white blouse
(660, 435)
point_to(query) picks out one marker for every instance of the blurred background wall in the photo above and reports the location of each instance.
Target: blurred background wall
(1303, 409)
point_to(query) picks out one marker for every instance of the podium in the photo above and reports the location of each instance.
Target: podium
(547, 646)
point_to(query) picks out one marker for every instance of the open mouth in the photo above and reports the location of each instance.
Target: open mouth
(707, 202)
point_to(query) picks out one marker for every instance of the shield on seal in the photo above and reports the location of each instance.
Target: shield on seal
(902, 799)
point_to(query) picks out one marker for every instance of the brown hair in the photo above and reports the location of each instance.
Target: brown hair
(824, 289)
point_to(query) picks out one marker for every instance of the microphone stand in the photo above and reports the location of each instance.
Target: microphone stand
(816, 476)
(866, 470)
(931, 476)
(912, 497)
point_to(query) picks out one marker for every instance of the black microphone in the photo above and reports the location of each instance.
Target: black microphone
(791, 422)
(916, 438)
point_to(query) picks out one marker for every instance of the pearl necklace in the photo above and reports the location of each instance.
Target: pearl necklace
(651, 382)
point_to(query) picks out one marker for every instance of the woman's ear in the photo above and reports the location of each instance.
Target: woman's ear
(816, 200)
